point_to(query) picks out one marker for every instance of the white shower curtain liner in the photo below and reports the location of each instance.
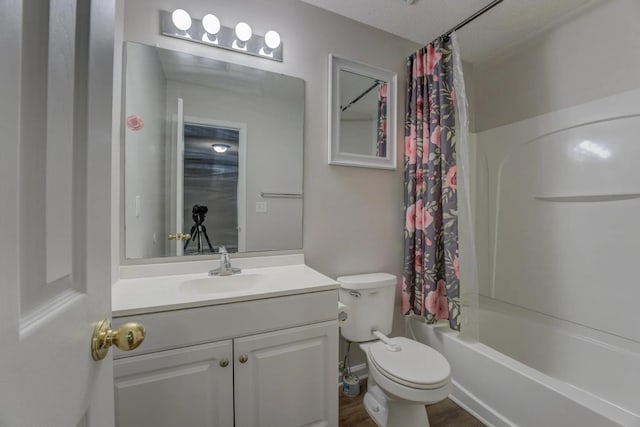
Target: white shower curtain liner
(466, 231)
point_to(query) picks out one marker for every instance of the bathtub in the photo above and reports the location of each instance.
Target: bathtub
(555, 203)
(590, 380)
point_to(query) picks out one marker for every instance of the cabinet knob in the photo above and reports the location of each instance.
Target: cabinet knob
(224, 363)
(243, 358)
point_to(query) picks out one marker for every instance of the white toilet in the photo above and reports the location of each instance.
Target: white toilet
(404, 375)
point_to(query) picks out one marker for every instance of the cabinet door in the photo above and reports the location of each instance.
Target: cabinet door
(190, 386)
(287, 378)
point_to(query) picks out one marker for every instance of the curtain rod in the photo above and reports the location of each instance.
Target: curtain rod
(357, 98)
(473, 17)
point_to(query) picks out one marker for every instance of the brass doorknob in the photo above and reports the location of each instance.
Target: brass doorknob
(127, 337)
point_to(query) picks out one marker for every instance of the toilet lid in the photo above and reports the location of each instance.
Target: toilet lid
(415, 365)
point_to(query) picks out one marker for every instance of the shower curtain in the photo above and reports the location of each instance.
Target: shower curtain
(381, 122)
(433, 122)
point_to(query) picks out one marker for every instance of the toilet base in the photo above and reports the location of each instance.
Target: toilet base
(391, 413)
(378, 411)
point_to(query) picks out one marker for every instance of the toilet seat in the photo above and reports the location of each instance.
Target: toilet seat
(415, 365)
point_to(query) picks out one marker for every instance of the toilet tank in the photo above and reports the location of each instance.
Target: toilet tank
(370, 298)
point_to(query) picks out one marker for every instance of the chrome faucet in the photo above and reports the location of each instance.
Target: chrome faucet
(225, 268)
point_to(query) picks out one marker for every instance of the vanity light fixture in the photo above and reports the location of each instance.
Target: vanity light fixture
(271, 42)
(220, 148)
(210, 31)
(243, 35)
(181, 19)
(211, 25)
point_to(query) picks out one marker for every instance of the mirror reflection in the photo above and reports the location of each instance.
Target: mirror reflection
(211, 178)
(213, 156)
(363, 115)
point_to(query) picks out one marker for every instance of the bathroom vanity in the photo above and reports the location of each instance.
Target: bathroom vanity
(255, 349)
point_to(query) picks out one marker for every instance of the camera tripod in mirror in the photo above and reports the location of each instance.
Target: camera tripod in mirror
(199, 213)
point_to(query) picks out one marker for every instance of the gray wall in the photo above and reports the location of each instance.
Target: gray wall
(144, 166)
(353, 217)
(358, 136)
(593, 55)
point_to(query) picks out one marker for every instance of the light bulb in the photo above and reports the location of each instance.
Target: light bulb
(211, 23)
(181, 19)
(220, 148)
(272, 39)
(243, 32)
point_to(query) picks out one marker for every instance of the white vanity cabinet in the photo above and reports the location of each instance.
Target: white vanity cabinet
(268, 362)
(287, 378)
(184, 387)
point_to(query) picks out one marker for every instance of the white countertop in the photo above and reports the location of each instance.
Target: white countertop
(163, 293)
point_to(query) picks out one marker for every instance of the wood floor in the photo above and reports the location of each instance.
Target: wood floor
(442, 414)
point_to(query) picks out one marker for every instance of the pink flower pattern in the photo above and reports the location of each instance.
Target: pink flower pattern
(451, 179)
(435, 136)
(410, 148)
(433, 58)
(436, 301)
(411, 219)
(381, 143)
(419, 215)
(134, 122)
(431, 265)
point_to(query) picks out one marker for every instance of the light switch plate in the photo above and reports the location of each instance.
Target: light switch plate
(261, 207)
(138, 207)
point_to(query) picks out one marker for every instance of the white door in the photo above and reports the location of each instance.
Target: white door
(55, 150)
(177, 210)
(241, 190)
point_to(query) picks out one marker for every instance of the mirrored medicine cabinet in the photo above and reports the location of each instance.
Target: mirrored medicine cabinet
(362, 115)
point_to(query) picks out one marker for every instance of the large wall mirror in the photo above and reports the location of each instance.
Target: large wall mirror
(362, 115)
(212, 156)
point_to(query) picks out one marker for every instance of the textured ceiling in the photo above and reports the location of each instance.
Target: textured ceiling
(504, 26)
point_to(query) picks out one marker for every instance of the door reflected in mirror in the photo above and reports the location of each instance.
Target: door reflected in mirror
(211, 186)
(362, 116)
(212, 156)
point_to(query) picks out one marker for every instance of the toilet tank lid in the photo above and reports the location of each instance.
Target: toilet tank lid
(367, 281)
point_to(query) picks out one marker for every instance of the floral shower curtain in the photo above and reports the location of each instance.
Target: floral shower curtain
(381, 145)
(431, 274)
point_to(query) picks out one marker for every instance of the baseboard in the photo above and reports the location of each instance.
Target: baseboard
(470, 403)
(359, 370)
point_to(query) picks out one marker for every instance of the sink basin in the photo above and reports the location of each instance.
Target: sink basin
(222, 284)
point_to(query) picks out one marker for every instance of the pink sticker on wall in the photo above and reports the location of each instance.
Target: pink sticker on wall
(134, 122)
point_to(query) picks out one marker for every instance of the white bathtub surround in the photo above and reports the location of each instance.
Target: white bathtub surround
(558, 197)
(466, 231)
